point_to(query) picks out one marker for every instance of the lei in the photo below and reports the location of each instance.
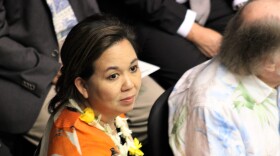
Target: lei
(131, 146)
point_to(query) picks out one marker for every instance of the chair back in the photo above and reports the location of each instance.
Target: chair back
(158, 126)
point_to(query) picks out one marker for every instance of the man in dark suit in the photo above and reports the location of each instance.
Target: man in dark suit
(169, 34)
(29, 68)
(28, 63)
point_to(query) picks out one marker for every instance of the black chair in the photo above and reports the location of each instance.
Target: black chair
(158, 127)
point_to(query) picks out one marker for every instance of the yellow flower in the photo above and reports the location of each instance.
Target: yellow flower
(88, 115)
(136, 149)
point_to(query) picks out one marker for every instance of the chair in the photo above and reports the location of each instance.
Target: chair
(158, 127)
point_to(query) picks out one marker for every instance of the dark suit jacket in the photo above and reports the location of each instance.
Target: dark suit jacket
(166, 15)
(28, 58)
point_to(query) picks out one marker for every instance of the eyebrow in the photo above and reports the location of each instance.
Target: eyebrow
(116, 67)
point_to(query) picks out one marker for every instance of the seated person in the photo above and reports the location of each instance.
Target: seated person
(100, 80)
(229, 105)
(172, 34)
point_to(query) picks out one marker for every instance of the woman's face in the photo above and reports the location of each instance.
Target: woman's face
(114, 86)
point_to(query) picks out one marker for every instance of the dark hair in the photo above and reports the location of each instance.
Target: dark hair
(83, 46)
(247, 43)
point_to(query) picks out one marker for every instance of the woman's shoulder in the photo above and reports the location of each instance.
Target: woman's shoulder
(66, 118)
(90, 139)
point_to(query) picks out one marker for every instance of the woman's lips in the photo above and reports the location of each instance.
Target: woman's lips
(129, 99)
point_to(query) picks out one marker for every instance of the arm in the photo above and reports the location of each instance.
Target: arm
(170, 15)
(210, 132)
(208, 41)
(20, 63)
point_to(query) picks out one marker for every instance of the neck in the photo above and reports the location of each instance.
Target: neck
(110, 124)
(106, 120)
(106, 117)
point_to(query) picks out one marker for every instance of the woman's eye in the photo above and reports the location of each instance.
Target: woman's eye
(113, 76)
(133, 69)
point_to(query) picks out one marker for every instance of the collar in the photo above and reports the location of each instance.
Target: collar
(257, 89)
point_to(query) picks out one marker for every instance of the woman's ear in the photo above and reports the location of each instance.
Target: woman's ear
(81, 86)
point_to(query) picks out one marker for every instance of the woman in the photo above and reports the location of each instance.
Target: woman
(99, 82)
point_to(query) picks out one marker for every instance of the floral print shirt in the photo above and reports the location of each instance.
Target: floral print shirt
(215, 112)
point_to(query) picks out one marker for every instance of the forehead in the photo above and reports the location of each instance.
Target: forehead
(119, 54)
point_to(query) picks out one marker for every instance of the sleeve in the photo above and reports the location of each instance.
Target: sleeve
(69, 136)
(212, 132)
(168, 15)
(63, 142)
(186, 26)
(236, 4)
(21, 64)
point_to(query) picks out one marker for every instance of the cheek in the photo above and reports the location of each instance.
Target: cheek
(278, 72)
(106, 93)
(138, 80)
(278, 69)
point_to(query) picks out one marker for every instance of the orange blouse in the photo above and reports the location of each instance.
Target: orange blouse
(70, 136)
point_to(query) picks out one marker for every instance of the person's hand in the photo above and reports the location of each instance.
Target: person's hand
(207, 40)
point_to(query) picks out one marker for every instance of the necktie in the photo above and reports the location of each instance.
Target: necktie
(202, 9)
(63, 18)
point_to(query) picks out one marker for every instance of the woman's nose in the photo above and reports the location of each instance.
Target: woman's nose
(128, 83)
